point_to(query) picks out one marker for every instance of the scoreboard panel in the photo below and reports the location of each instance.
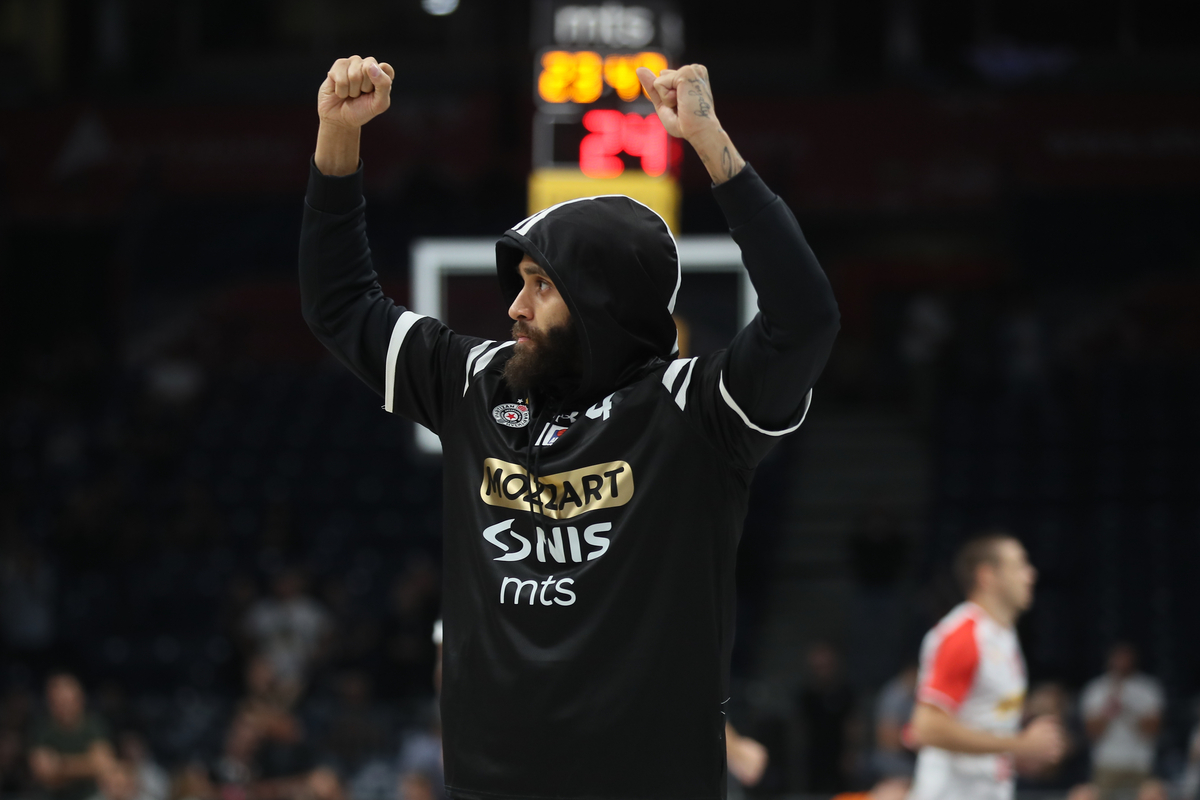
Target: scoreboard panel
(594, 130)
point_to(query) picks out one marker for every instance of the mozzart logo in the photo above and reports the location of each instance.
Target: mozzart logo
(560, 496)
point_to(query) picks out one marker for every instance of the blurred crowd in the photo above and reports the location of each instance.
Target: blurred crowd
(272, 746)
(186, 609)
(281, 740)
(306, 721)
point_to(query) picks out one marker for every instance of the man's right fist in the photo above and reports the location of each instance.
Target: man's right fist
(355, 91)
(1042, 743)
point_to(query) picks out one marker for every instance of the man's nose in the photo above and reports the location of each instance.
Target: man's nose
(520, 308)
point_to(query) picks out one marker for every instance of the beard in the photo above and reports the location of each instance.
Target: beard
(549, 361)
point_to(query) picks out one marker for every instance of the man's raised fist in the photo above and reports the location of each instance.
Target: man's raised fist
(683, 99)
(355, 91)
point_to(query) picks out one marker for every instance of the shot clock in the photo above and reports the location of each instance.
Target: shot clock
(594, 130)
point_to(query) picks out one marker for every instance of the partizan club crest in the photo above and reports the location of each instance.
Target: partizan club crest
(514, 415)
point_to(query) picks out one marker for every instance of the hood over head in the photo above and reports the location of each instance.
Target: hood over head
(616, 265)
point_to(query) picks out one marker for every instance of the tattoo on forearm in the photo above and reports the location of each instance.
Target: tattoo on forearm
(727, 163)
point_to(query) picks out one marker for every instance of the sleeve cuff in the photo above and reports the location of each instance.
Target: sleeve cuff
(931, 696)
(742, 196)
(334, 195)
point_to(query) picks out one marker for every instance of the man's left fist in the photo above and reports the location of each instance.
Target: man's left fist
(683, 99)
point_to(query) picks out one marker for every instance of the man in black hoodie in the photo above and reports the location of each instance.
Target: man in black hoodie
(595, 483)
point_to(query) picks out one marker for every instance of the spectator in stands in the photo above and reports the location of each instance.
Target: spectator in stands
(268, 756)
(70, 747)
(267, 752)
(290, 628)
(825, 706)
(1122, 712)
(891, 758)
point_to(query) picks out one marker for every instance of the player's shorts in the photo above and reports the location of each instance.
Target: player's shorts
(942, 775)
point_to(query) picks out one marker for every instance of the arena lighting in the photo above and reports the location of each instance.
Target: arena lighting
(439, 8)
(612, 132)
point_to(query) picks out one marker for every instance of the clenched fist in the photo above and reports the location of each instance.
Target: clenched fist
(682, 98)
(355, 91)
(683, 101)
(1042, 743)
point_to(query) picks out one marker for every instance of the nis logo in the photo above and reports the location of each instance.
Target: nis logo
(553, 546)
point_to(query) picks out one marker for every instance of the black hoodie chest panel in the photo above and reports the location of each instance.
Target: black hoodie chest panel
(588, 615)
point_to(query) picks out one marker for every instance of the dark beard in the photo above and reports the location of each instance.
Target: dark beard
(550, 365)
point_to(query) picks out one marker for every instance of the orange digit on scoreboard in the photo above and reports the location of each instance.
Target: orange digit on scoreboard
(620, 72)
(579, 77)
(573, 77)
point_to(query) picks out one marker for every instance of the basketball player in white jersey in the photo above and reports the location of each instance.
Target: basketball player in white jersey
(971, 686)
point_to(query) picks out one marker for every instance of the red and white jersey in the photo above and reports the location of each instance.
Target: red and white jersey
(971, 668)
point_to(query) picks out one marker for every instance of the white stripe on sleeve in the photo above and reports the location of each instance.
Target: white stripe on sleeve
(401, 329)
(681, 397)
(733, 404)
(484, 360)
(672, 373)
(471, 356)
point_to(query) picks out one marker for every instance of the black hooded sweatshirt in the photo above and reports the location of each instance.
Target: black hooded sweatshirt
(588, 610)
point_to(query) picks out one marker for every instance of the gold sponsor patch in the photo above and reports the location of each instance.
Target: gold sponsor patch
(1012, 703)
(559, 496)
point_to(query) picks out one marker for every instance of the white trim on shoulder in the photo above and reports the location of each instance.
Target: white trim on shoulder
(484, 360)
(471, 356)
(399, 331)
(681, 396)
(733, 404)
(672, 374)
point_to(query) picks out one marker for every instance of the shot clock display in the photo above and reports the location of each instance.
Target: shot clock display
(594, 130)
